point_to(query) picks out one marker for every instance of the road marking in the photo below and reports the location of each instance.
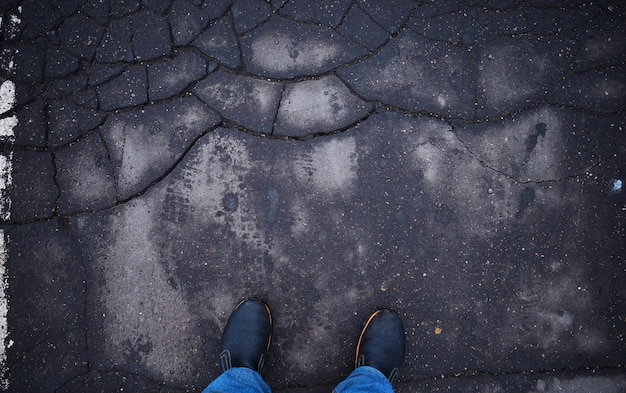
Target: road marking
(7, 102)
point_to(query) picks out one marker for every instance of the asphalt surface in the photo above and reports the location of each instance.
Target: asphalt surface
(461, 162)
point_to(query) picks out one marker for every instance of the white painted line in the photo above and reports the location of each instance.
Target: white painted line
(7, 101)
(4, 309)
(7, 96)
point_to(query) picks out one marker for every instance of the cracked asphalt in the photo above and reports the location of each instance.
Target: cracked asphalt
(461, 162)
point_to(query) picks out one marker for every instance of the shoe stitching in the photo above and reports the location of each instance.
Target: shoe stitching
(360, 361)
(261, 365)
(226, 360)
(393, 376)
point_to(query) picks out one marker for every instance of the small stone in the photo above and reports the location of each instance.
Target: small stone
(230, 202)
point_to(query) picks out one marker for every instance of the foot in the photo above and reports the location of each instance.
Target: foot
(381, 344)
(247, 336)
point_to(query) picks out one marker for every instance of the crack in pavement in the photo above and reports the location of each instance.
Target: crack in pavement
(442, 159)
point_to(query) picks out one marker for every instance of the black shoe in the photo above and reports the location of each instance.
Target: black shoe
(381, 344)
(247, 336)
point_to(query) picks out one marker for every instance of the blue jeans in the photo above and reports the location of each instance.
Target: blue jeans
(244, 380)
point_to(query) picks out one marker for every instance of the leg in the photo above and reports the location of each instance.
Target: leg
(379, 355)
(245, 341)
(238, 379)
(364, 379)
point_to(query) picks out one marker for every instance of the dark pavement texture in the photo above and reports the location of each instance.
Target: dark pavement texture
(461, 162)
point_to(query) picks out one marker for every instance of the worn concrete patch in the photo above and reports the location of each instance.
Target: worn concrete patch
(170, 77)
(247, 101)
(409, 73)
(282, 48)
(530, 147)
(513, 73)
(581, 384)
(526, 148)
(396, 212)
(145, 322)
(85, 176)
(145, 143)
(599, 91)
(604, 47)
(318, 106)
